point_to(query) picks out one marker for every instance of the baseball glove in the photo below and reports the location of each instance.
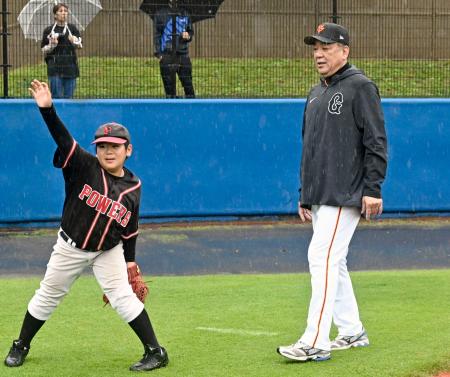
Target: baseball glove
(137, 283)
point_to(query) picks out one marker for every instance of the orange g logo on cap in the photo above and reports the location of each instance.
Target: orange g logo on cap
(112, 133)
(328, 33)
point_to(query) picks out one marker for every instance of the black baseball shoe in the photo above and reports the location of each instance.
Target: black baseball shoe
(17, 354)
(153, 358)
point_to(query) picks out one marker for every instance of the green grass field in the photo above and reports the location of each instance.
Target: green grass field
(405, 312)
(238, 78)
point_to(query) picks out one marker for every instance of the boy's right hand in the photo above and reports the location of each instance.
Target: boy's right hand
(41, 93)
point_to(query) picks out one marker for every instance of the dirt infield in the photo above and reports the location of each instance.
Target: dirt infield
(264, 246)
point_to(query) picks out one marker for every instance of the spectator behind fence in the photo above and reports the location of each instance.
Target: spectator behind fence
(59, 44)
(179, 62)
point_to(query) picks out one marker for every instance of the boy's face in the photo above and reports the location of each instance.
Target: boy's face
(112, 157)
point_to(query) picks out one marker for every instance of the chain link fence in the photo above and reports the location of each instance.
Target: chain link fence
(248, 49)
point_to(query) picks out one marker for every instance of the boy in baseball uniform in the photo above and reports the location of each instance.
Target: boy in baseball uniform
(99, 228)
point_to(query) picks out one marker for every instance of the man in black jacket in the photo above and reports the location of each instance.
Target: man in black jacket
(173, 62)
(343, 165)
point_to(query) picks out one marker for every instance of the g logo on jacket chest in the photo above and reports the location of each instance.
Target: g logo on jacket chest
(335, 103)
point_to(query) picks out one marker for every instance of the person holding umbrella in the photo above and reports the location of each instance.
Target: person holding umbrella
(59, 44)
(173, 55)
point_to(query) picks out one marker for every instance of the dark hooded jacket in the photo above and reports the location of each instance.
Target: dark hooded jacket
(62, 60)
(163, 20)
(344, 154)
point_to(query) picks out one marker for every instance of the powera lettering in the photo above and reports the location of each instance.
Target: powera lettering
(105, 205)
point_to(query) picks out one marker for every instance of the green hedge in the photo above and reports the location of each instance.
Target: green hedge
(238, 78)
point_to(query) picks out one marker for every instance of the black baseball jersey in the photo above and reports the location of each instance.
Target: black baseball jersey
(100, 209)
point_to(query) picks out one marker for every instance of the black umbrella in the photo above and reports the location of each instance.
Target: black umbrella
(198, 9)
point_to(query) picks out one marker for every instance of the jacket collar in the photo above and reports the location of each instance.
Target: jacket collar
(345, 71)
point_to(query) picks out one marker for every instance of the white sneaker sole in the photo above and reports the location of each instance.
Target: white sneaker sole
(304, 358)
(359, 343)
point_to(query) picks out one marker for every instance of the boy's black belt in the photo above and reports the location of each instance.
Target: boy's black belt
(66, 238)
(70, 241)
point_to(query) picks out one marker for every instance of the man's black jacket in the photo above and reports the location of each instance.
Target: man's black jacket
(160, 21)
(344, 152)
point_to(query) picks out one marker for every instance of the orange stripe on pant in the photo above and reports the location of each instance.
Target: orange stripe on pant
(326, 277)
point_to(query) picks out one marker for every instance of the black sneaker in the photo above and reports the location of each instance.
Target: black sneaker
(153, 358)
(17, 354)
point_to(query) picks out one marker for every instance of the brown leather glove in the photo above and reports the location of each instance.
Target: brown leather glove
(137, 283)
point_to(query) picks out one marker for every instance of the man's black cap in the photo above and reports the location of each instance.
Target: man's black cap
(112, 133)
(329, 33)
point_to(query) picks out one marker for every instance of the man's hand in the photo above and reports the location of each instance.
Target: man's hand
(41, 93)
(185, 35)
(371, 206)
(304, 213)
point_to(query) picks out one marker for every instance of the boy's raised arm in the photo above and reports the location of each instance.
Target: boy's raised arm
(41, 94)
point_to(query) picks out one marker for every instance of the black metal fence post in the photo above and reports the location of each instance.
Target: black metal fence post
(335, 16)
(173, 71)
(5, 34)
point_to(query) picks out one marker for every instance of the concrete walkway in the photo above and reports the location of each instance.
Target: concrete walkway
(248, 247)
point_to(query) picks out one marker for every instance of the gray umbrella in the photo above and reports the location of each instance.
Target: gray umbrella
(37, 15)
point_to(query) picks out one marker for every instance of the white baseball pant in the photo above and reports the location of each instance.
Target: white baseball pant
(67, 263)
(332, 297)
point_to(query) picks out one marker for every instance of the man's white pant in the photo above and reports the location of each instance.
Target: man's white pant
(332, 296)
(67, 263)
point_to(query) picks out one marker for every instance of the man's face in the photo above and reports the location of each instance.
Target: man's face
(329, 58)
(112, 157)
(61, 14)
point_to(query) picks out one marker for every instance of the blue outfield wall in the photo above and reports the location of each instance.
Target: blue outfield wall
(215, 157)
